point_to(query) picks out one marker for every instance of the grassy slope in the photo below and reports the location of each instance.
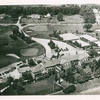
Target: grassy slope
(14, 46)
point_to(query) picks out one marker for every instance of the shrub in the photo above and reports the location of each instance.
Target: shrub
(69, 89)
(51, 44)
(51, 35)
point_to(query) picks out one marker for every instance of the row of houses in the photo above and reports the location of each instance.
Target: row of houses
(53, 64)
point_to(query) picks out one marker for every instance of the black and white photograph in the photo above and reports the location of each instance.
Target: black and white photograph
(49, 48)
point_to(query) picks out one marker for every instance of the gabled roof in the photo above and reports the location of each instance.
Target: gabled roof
(69, 36)
(76, 57)
(49, 63)
(37, 68)
(89, 38)
(83, 44)
(98, 43)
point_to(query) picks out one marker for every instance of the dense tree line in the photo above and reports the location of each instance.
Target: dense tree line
(16, 11)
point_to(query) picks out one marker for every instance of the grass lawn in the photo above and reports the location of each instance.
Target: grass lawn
(74, 19)
(39, 88)
(68, 28)
(34, 50)
(8, 20)
(4, 60)
(44, 31)
(96, 27)
(29, 52)
(87, 85)
(38, 28)
(42, 87)
(77, 19)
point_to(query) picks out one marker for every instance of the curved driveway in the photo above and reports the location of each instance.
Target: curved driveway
(44, 42)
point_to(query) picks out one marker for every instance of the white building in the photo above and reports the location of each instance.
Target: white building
(69, 36)
(83, 44)
(89, 38)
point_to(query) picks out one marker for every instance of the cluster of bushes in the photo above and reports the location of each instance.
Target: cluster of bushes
(16, 88)
(32, 62)
(77, 44)
(27, 76)
(21, 35)
(93, 44)
(51, 44)
(83, 76)
(69, 89)
(56, 35)
(83, 39)
(93, 53)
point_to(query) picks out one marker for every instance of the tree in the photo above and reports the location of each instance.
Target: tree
(69, 89)
(88, 14)
(27, 76)
(60, 17)
(93, 53)
(51, 44)
(87, 26)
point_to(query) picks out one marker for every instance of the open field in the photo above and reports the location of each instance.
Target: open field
(44, 31)
(42, 87)
(74, 19)
(96, 27)
(8, 20)
(87, 85)
(68, 28)
(38, 28)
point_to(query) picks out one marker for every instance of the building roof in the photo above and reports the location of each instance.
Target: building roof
(89, 38)
(83, 44)
(49, 63)
(69, 36)
(24, 69)
(37, 68)
(98, 43)
(76, 57)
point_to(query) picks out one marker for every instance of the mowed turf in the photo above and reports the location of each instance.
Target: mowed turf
(43, 87)
(29, 52)
(75, 19)
(38, 28)
(43, 32)
(39, 88)
(68, 28)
